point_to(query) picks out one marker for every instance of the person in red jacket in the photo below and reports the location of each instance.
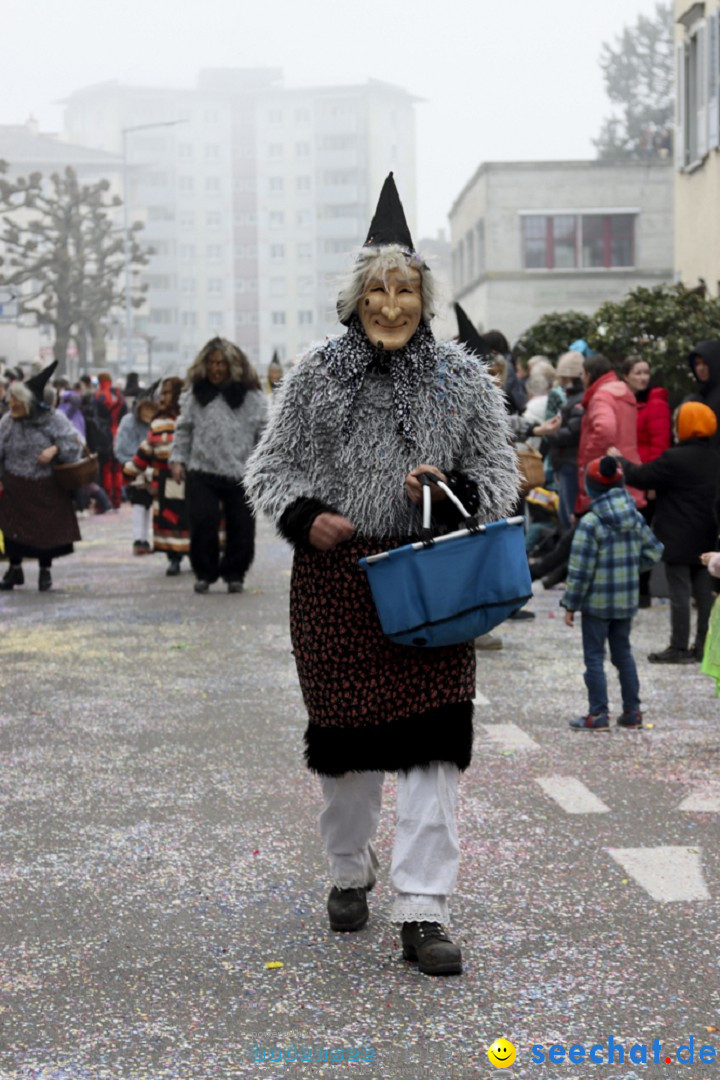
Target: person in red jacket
(654, 431)
(610, 419)
(111, 404)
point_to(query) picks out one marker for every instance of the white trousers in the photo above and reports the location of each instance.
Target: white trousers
(141, 518)
(426, 851)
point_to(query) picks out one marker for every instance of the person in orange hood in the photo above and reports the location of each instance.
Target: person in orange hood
(685, 479)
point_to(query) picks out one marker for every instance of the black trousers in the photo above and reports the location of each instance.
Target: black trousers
(208, 498)
(685, 581)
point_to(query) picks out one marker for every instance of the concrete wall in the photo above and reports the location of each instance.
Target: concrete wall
(489, 278)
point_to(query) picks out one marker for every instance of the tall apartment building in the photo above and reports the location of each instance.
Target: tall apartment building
(252, 194)
(697, 143)
(533, 237)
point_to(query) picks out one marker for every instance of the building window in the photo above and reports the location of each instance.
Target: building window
(212, 183)
(186, 219)
(187, 251)
(215, 319)
(214, 251)
(302, 149)
(305, 285)
(303, 183)
(305, 318)
(276, 183)
(189, 318)
(213, 219)
(302, 116)
(304, 252)
(303, 217)
(277, 251)
(186, 183)
(212, 150)
(335, 177)
(215, 285)
(277, 286)
(697, 88)
(185, 150)
(277, 219)
(161, 315)
(578, 241)
(278, 318)
(275, 150)
(187, 285)
(335, 247)
(160, 213)
(337, 142)
(470, 254)
(275, 116)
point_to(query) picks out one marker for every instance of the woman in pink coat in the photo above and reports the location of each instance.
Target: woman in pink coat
(610, 419)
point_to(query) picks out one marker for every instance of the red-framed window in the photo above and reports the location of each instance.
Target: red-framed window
(578, 241)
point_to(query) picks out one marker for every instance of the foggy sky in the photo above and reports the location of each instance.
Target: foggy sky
(501, 80)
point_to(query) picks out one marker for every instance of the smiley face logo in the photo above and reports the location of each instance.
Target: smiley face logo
(501, 1053)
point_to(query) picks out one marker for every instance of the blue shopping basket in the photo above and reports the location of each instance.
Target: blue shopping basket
(448, 589)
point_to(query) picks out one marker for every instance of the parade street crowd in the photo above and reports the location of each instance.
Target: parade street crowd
(617, 488)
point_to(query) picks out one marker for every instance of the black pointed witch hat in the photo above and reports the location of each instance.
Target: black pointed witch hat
(388, 225)
(468, 335)
(36, 383)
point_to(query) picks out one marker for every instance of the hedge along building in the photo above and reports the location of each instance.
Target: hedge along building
(538, 236)
(697, 143)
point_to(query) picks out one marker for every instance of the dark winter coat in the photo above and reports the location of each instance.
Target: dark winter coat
(563, 444)
(708, 392)
(685, 479)
(654, 423)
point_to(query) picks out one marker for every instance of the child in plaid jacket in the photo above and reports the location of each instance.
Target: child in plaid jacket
(612, 546)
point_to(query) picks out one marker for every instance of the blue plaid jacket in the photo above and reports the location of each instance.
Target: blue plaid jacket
(611, 547)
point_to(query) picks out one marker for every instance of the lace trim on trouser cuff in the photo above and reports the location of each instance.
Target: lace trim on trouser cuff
(411, 907)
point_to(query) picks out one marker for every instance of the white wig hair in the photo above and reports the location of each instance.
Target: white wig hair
(24, 395)
(377, 262)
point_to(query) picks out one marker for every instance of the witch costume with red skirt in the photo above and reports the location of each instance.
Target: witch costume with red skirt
(37, 517)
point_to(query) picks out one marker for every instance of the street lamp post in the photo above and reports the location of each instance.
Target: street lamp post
(126, 230)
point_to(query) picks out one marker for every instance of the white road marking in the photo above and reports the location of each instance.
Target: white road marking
(510, 737)
(572, 795)
(480, 699)
(669, 874)
(703, 802)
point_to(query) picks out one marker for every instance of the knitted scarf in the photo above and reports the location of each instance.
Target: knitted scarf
(354, 354)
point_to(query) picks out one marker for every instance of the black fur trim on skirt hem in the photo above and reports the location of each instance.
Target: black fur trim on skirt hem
(443, 734)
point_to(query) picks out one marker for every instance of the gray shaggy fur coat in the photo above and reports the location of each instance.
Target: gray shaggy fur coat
(305, 453)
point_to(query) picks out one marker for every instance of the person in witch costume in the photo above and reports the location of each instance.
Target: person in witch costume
(222, 414)
(37, 517)
(354, 424)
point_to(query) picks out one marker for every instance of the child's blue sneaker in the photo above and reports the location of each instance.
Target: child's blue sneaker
(591, 722)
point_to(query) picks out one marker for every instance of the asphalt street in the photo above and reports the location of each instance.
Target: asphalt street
(163, 885)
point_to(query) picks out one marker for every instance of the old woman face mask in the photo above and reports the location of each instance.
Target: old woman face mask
(390, 310)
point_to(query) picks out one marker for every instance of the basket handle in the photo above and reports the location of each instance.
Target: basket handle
(427, 480)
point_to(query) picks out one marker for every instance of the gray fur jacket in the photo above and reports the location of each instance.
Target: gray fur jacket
(306, 453)
(22, 440)
(216, 438)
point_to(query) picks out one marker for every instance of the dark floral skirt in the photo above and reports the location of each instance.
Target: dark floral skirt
(371, 704)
